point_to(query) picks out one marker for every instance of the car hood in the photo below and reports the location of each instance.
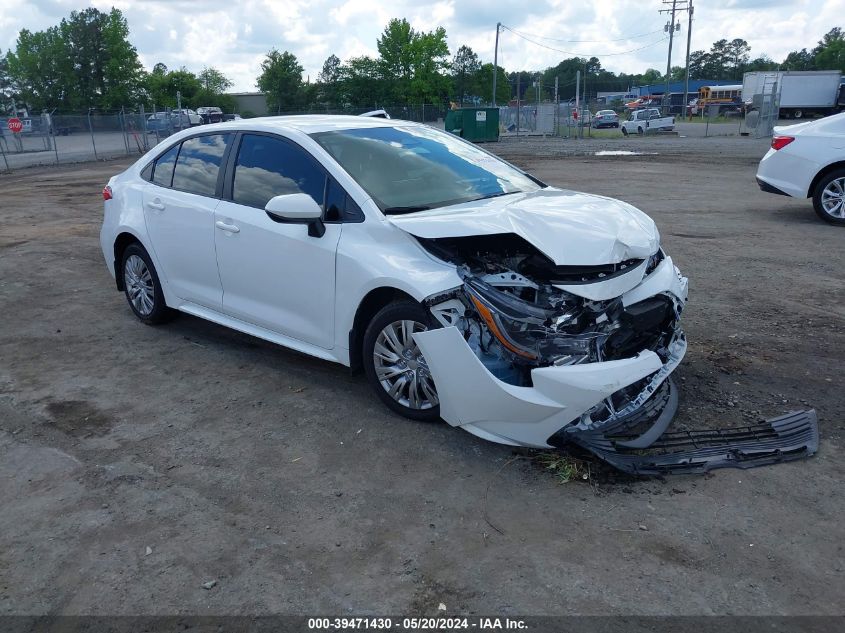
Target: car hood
(570, 228)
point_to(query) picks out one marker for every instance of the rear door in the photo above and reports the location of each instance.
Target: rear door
(179, 208)
(274, 274)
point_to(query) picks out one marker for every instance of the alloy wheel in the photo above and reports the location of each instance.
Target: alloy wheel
(833, 198)
(139, 285)
(401, 368)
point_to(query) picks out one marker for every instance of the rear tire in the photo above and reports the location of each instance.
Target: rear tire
(142, 287)
(829, 197)
(393, 364)
(640, 130)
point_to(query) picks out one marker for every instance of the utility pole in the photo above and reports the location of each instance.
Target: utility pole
(496, 61)
(686, 79)
(671, 27)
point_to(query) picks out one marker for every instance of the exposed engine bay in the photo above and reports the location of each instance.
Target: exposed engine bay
(517, 318)
(576, 370)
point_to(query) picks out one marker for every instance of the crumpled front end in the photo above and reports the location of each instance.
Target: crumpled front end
(541, 355)
(531, 350)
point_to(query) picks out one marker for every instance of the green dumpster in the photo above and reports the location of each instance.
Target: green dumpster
(474, 124)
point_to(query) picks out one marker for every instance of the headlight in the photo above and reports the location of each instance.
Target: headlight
(653, 261)
(525, 329)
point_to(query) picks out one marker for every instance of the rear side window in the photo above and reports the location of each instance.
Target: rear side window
(198, 165)
(267, 167)
(163, 170)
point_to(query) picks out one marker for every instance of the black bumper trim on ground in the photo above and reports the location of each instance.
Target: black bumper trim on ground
(769, 188)
(785, 438)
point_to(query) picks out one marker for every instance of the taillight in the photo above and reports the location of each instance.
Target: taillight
(107, 193)
(779, 142)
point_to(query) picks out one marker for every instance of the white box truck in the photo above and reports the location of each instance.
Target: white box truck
(802, 92)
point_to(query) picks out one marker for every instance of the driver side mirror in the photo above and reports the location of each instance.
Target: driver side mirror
(297, 208)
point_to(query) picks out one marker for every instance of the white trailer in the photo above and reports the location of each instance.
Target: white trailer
(802, 92)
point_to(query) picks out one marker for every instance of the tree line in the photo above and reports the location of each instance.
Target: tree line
(87, 62)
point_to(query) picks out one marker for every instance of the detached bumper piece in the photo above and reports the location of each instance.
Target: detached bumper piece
(782, 439)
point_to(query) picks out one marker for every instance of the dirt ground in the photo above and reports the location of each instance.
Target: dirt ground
(138, 463)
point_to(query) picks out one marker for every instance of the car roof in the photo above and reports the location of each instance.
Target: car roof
(309, 123)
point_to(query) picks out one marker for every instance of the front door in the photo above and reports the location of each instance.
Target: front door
(274, 274)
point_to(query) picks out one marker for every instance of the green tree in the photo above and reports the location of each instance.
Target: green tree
(652, 76)
(830, 53)
(738, 50)
(162, 87)
(465, 67)
(414, 62)
(762, 63)
(484, 81)
(799, 60)
(85, 61)
(39, 67)
(362, 83)
(281, 80)
(7, 90)
(106, 70)
(213, 81)
(329, 81)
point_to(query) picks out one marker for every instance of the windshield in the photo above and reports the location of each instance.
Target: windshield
(407, 169)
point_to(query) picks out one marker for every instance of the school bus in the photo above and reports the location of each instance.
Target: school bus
(726, 97)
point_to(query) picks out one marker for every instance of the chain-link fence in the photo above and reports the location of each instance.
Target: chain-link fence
(54, 138)
(548, 119)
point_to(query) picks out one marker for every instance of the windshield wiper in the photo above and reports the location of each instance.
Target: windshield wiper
(400, 210)
(495, 195)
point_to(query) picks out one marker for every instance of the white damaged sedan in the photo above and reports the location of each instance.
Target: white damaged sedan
(465, 288)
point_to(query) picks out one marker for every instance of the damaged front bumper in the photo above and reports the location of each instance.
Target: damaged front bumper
(478, 402)
(549, 414)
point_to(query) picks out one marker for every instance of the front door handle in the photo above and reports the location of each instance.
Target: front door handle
(156, 204)
(227, 227)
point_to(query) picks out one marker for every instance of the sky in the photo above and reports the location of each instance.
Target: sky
(626, 35)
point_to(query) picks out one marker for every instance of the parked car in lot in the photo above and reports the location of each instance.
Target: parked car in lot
(186, 118)
(647, 120)
(209, 114)
(161, 122)
(807, 160)
(231, 117)
(605, 118)
(464, 287)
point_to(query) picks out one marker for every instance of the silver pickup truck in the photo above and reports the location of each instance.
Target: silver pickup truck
(647, 120)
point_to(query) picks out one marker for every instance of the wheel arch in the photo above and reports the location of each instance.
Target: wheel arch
(370, 304)
(822, 173)
(121, 243)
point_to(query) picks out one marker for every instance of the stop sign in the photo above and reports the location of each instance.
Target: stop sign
(15, 125)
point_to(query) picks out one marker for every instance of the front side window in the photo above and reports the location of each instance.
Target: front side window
(198, 165)
(407, 169)
(267, 167)
(163, 170)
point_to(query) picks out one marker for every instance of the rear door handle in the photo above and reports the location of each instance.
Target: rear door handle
(227, 227)
(155, 204)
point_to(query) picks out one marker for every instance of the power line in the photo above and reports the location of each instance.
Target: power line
(621, 39)
(557, 50)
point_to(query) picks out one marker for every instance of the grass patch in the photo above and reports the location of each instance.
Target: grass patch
(565, 468)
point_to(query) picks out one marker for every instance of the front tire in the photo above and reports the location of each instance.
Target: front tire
(142, 287)
(829, 197)
(394, 365)
(624, 131)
